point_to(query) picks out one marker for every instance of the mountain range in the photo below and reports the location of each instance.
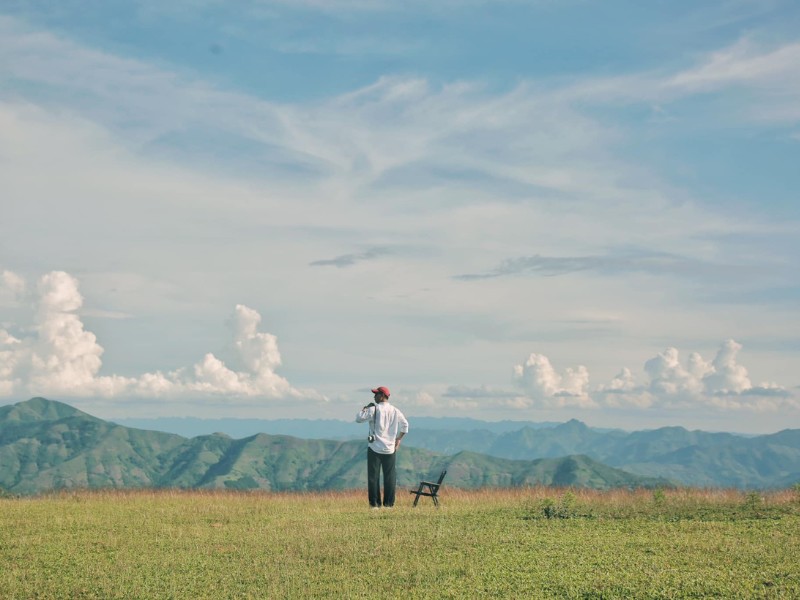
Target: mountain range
(684, 457)
(47, 445)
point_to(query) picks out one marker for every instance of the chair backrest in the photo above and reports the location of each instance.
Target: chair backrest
(441, 477)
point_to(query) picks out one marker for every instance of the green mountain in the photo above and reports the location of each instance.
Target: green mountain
(47, 445)
(695, 458)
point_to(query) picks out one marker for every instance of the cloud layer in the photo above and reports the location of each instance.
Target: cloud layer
(721, 383)
(59, 357)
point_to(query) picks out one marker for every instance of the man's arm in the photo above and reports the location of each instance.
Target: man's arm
(402, 429)
(365, 414)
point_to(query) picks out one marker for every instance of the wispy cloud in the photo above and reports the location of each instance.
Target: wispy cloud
(534, 135)
(396, 121)
(611, 264)
(762, 82)
(348, 260)
(743, 63)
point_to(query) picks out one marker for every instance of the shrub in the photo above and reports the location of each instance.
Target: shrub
(565, 508)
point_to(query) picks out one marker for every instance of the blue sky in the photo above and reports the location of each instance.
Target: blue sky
(523, 210)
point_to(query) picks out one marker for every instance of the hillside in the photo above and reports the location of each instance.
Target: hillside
(48, 445)
(696, 458)
(683, 456)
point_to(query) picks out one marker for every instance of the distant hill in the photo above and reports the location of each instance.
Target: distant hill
(46, 445)
(694, 458)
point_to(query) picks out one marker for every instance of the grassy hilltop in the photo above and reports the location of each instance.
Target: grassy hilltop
(520, 543)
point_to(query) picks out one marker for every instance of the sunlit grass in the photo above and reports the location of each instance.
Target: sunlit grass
(495, 543)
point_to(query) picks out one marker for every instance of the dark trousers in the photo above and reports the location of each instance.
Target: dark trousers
(376, 462)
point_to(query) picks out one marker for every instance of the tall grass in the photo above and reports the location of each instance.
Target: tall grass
(485, 543)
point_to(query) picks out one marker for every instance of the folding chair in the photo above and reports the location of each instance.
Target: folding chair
(432, 489)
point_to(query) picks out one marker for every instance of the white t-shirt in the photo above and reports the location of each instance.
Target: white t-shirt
(388, 423)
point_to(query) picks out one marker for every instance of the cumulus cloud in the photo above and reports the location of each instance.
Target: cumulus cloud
(545, 386)
(62, 358)
(623, 392)
(720, 383)
(13, 283)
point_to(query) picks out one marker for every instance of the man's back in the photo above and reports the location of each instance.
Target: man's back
(388, 422)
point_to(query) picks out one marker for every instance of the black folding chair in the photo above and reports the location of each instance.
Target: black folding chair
(428, 488)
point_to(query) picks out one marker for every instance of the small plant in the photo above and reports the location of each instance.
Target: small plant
(565, 508)
(549, 508)
(753, 502)
(659, 498)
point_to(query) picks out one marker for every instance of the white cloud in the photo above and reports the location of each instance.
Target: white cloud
(742, 63)
(351, 141)
(544, 385)
(623, 382)
(669, 377)
(14, 284)
(61, 358)
(423, 398)
(724, 375)
(770, 75)
(669, 386)
(722, 383)
(623, 392)
(529, 137)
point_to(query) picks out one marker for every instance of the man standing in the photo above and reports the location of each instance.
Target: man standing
(387, 426)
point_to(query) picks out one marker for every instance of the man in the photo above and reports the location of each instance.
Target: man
(387, 426)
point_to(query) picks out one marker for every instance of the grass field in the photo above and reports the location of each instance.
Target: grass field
(521, 543)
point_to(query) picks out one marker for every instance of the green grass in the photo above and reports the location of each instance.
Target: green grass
(488, 543)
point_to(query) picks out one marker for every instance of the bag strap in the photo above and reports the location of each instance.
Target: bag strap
(374, 421)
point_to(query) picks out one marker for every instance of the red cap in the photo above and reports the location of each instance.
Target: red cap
(383, 390)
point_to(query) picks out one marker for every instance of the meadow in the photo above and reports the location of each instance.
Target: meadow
(509, 543)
